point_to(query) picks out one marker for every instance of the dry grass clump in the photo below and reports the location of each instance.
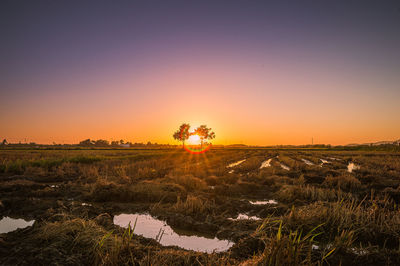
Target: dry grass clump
(77, 236)
(151, 168)
(89, 173)
(284, 246)
(80, 241)
(275, 180)
(35, 171)
(211, 180)
(67, 169)
(293, 164)
(193, 206)
(141, 192)
(14, 167)
(230, 179)
(189, 182)
(375, 221)
(290, 193)
(251, 164)
(20, 185)
(345, 182)
(182, 257)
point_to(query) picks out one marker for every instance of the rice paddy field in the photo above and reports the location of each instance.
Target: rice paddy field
(222, 207)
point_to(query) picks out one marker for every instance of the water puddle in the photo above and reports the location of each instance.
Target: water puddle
(86, 204)
(150, 227)
(285, 167)
(359, 251)
(243, 216)
(352, 166)
(8, 224)
(266, 163)
(324, 161)
(231, 171)
(263, 202)
(235, 163)
(307, 162)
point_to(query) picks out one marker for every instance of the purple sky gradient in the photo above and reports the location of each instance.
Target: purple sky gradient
(136, 69)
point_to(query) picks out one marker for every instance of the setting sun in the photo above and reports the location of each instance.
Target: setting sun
(194, 140)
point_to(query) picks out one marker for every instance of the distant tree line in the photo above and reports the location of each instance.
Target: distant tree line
(116, 143)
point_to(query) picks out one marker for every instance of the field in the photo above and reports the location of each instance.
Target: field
(251, 206)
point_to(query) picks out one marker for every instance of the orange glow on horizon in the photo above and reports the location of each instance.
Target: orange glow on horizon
(274, 111)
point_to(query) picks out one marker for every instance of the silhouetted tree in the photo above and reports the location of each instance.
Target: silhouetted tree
(182, 134)
(86, 142)
(114, 143)
(204, 133)
(4, 142)
(101, 143)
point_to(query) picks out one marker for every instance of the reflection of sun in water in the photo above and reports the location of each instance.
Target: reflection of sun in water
(194, 140)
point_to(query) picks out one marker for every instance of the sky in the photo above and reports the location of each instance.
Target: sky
(256, 72)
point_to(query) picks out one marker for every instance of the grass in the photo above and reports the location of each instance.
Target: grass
(353, 218)
(193, 206)
(287, 247)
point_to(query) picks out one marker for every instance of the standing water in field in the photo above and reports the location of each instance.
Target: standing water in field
(285, 167)
(352, 167)
(266, 163)
(324, 161)
(307, 162)
(150, 227)
(235, 163)
(8, 224)
(263, 202)
(243, 216)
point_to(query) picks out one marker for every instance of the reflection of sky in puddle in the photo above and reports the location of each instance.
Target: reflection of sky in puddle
(263, 202)
(149, 227)
(352, 167)
(266, 163)
(307, 162)
(324, 161)
(356, 250)
(235, 163)
(8, 224)
(285, 167)
(243, 216)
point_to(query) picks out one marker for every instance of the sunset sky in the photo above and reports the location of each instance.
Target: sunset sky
(256, 72)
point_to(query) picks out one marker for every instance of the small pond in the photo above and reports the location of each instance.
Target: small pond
(8, 224)
(150, 227)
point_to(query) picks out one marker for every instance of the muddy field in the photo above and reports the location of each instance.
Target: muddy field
(222, 207)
